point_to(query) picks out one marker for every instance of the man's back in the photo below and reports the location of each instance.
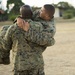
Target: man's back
(25, 55)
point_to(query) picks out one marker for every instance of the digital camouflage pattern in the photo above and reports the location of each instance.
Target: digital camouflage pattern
(49, 26)
(34, 43)
(25, 54)
(35, 71)
(3, 30)
(4, 55)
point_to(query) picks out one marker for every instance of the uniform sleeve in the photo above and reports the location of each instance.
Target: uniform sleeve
(40, 37)
(3, 30)
(5, 40)
(52, 27)
(4, 54)
(49, 26)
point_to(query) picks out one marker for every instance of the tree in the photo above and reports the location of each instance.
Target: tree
(16, 7)
(66, 9)
(64, 5)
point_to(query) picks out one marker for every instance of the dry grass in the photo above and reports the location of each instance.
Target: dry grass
(6, 23)
(60, 58)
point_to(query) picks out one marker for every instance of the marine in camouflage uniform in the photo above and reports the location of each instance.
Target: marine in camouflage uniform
(48, 26)
(35, 26)
(26, 56)
(33, 64)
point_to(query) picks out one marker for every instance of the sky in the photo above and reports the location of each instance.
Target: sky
(40, 3)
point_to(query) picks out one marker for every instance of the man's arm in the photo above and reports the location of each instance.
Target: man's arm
(5, 45)
(42, 38)
(5, 39)
(3, 30)
(48, 26)
(36, 35)
(4, 55)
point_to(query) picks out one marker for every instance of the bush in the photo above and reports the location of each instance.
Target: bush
(67, 15)
(74, 12)
(12, 17)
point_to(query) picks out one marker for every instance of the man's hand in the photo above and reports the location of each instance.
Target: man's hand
(22, 24)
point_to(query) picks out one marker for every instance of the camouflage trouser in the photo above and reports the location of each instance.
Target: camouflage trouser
(30, 72)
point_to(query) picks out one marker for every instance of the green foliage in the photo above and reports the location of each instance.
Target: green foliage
(73, 12)
(12, 17)
(17, 5)
(68, 14)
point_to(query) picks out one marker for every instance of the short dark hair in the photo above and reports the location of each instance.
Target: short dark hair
(26, 11)
(50, 9)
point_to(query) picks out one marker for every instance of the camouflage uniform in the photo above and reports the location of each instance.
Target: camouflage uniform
(4, 55)
(34, 71)
(26, 56)
(33, 43)
(48, 26)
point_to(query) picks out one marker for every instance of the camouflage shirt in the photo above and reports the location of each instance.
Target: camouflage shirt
(25, 54)
(48, 26)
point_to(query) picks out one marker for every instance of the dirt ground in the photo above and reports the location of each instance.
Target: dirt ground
(60, 58)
